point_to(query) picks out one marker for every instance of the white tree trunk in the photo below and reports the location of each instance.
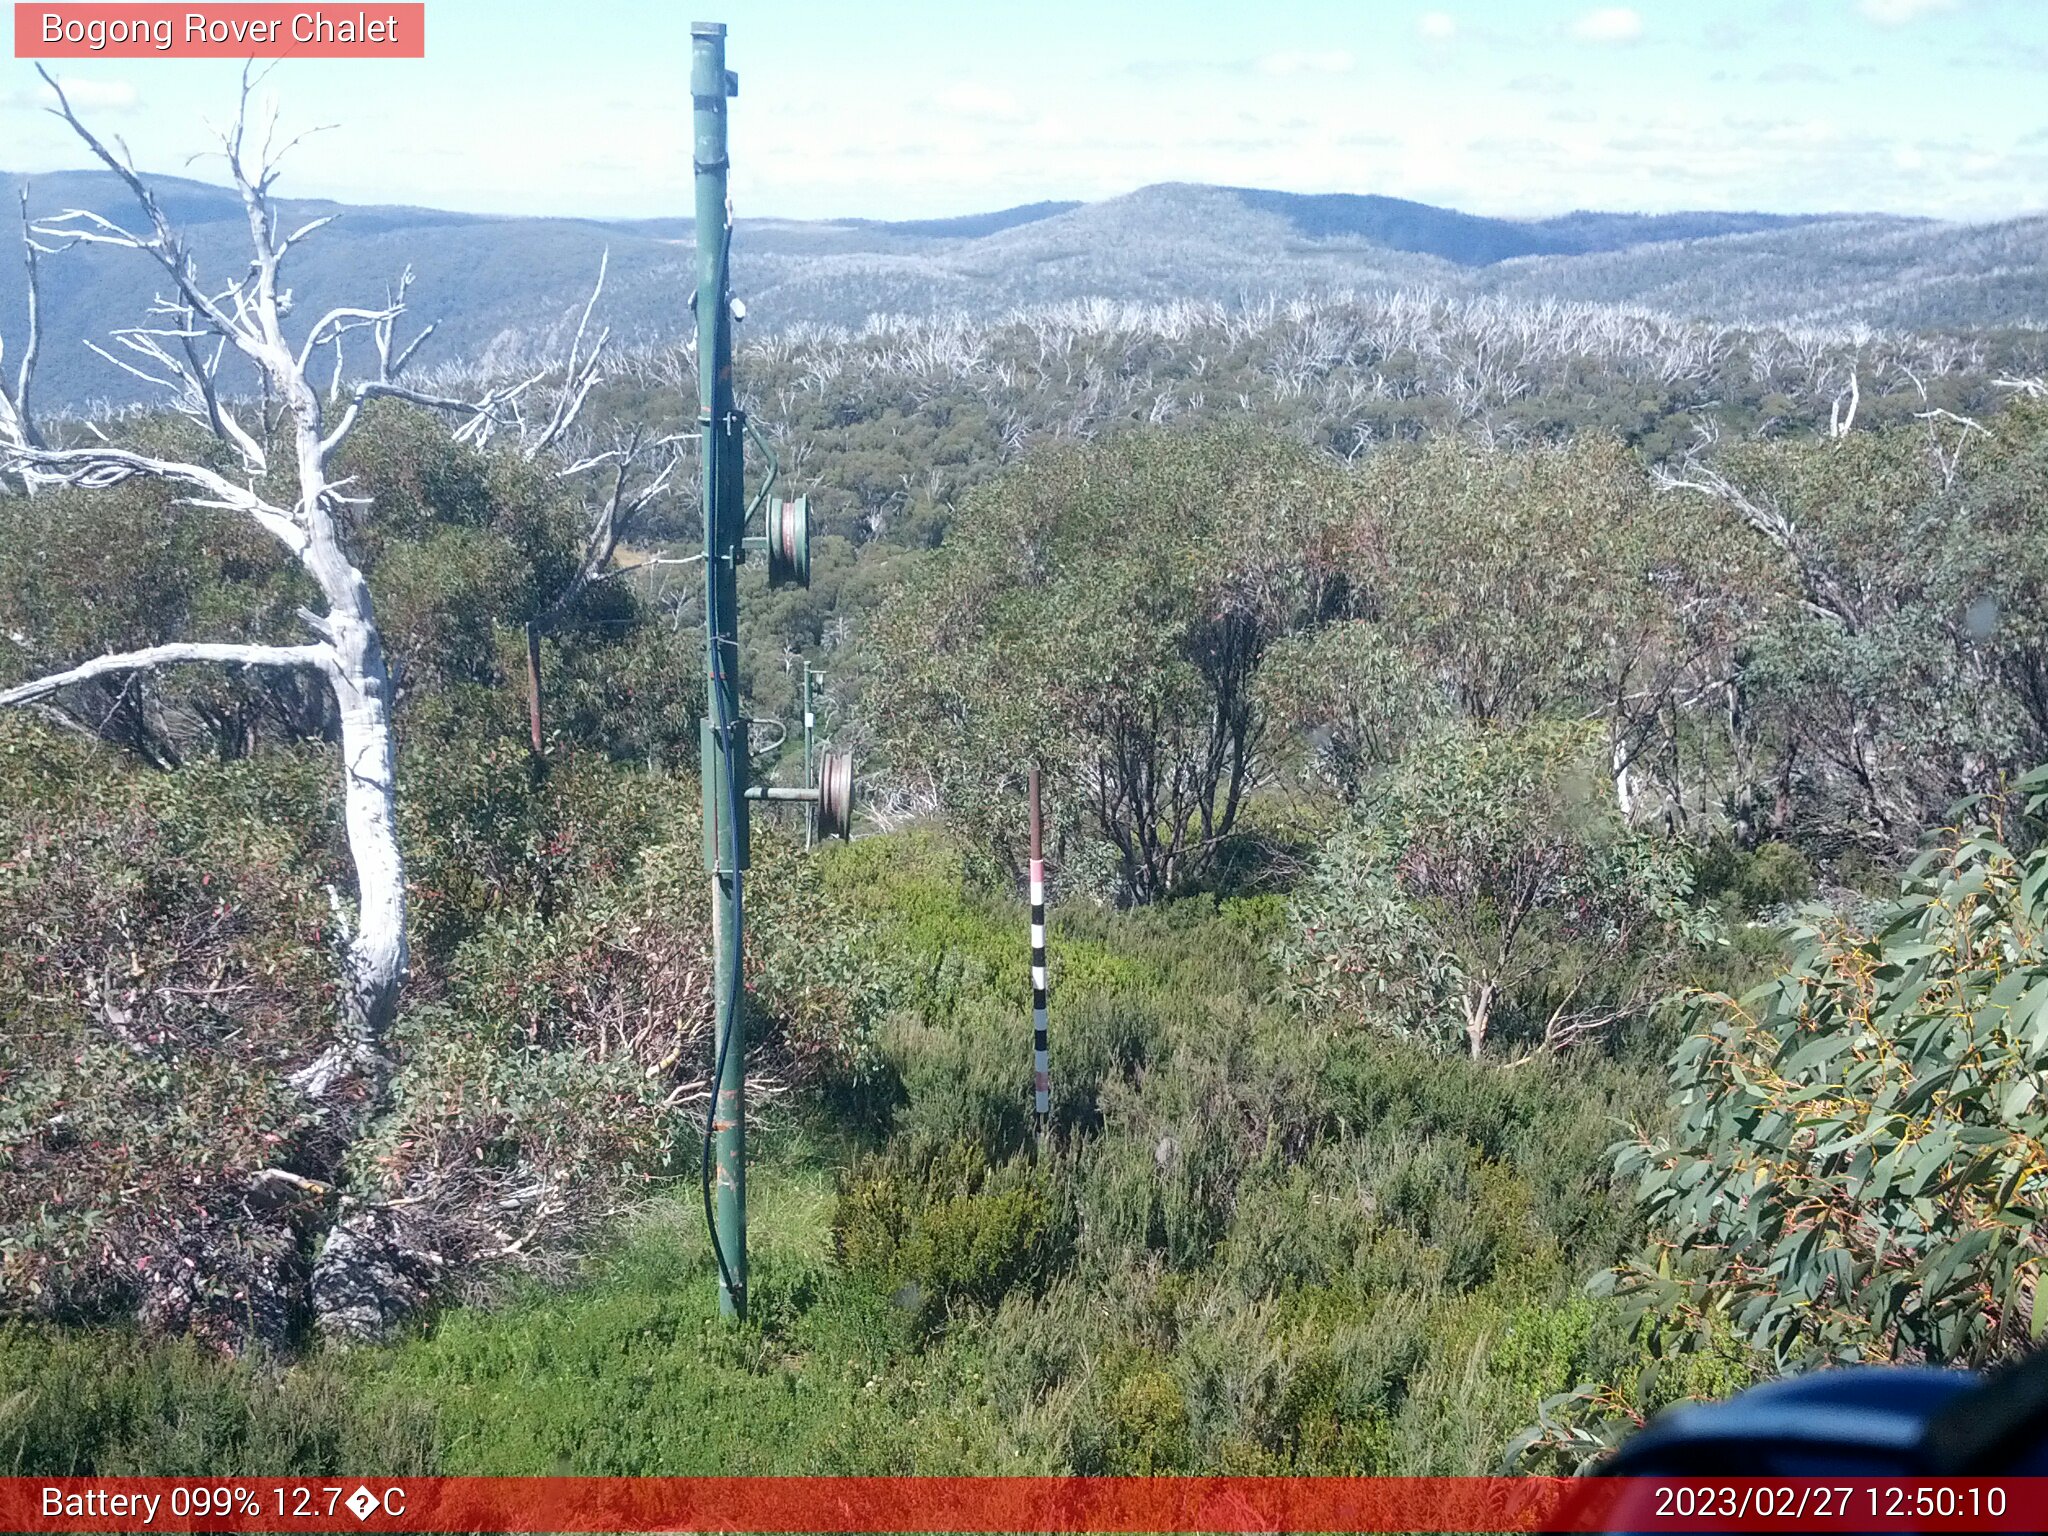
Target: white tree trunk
(1478, 1015)
(376, 943)
(352, 1280)
(1624, 787)
(377, 952)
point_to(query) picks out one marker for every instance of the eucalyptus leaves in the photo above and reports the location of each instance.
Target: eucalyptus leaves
(1857, 1170)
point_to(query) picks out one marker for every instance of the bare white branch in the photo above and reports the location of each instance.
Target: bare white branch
(611, 514)
(96, 468)
(157, 656)
(579, 376)
(1946, 459)
(1823, 595)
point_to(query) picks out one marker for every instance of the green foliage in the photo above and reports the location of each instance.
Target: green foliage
(1907, 673)
(632, 1372)
(1487, 886)
(88, 572)
(460, 548)
(1629, 1368)
(1534, 582)
(106, 1404)
(163, 962)
(1104, 612)
(1148, 1426)
(1306, 1233)
(1358, 698)
(935, 1228)
(562, 1042)
(489, 832)
(1772, 875)
(820, 989)
(1853, 1173)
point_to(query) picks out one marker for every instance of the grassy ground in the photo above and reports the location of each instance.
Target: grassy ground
(629, 1370)
(1252, 1244)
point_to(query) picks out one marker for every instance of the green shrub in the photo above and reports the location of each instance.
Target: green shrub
(1487, 888)
(107, 1403)
(936, 1228)
(164, 963)
(1104, 1038)
(1164, 1185)
(1296, 1228)
(1148, 1426)
(968, 1080)
(1853, 1175)
(1771, 875)
(488, 831)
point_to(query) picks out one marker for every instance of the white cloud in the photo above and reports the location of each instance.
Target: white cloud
(1610, 24)
(1896, 13)
(1306, 61)
(1437, 26)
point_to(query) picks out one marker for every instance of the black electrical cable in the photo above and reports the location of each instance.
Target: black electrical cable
(730, 757)
(733, 990)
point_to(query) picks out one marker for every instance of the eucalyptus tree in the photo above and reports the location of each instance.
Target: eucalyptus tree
(1905, 664)
(1507, 586)
(1486, 887)
(1104, 610)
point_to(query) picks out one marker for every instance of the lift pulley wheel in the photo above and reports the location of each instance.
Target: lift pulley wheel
(789, 543)
(835, 795)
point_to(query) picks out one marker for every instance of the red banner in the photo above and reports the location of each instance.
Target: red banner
(237, 31)
(1020, 1504)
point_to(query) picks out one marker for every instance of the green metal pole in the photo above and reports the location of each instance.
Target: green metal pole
(810, 773)
(723, 737)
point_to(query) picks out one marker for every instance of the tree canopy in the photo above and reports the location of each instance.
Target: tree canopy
(1104, 611)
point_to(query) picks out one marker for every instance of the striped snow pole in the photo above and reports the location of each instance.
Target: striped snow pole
(1041, 1050)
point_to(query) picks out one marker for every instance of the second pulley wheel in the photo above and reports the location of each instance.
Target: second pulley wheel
(835, 795)
(789, 543)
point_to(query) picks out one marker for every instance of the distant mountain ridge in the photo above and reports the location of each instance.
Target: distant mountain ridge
(499, 287)
(968, 226)
(1473, 240)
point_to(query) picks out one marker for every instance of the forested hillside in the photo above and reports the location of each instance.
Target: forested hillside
(1513, 768)
(505, 291)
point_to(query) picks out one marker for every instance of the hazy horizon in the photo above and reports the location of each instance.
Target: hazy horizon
(285, 190)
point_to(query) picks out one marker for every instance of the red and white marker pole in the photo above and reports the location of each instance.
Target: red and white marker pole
(1041, 1051)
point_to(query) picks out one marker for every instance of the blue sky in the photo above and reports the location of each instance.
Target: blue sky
(903, 108)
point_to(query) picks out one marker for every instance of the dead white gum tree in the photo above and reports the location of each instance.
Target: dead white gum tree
(195, 325)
